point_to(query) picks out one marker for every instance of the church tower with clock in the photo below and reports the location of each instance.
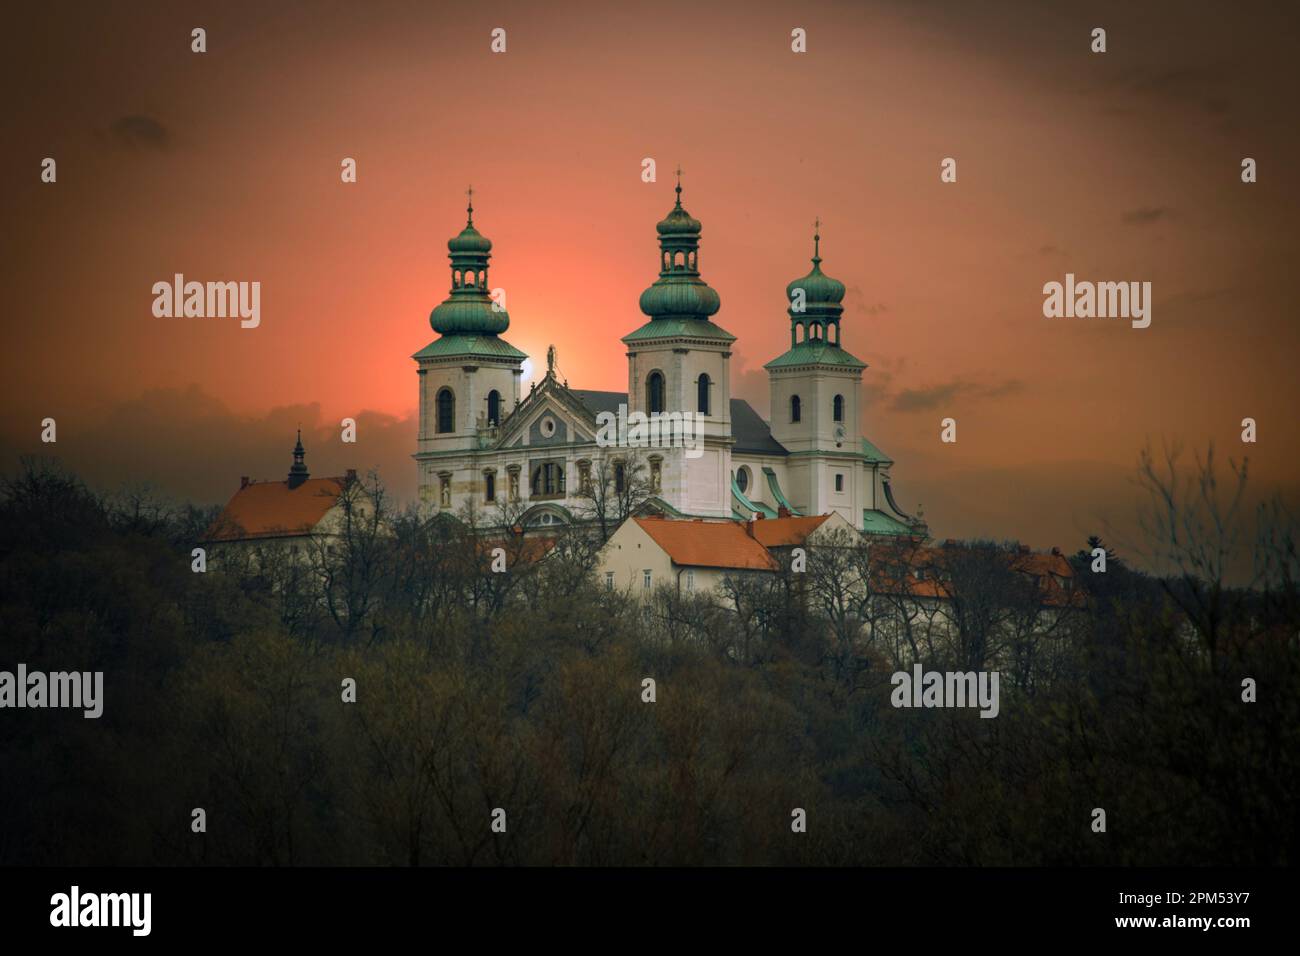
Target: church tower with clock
(815, 389)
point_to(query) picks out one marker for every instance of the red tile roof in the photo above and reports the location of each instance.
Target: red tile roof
(271, 509)
(708, 544)
(784, 532)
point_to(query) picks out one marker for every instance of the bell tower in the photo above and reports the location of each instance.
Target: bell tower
(680, 362)
(815, 390)
(469, 375)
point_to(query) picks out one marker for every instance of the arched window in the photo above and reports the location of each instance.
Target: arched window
(446, 411)
(742, 479)
(837, 408)
(654, 392)
(704, 394)
(494, 407)
(796, 409)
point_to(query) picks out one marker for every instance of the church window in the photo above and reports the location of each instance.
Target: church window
(446, 402)
(494, 407)
(742, 479)
(620, 477)
(837, 408)
(839, 482)
(704, 394)
(547, 479)
(796, 409)
(654, 392)
(489, 487)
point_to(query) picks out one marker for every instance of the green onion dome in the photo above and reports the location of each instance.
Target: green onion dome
(469, 309)
(679, 292)
(821, 293)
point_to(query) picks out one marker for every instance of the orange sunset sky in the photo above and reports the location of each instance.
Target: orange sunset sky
(225, 166)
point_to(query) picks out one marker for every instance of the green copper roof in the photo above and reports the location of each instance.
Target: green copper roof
(679, 328)
(775, 487)
(469, 309)
(754, 506)
(679, 292)
(877, 522)
(459, 346)
(816, 352)
(872, 453)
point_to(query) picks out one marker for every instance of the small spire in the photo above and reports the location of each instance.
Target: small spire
(817, 240)
(470, 210)
(679, 185)
(298, 473)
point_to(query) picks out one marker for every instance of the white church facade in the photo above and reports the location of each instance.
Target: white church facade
(546, 457)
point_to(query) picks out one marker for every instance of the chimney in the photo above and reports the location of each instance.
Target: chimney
(243, 482)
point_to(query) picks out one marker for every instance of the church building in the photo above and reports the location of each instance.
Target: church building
(542, 459)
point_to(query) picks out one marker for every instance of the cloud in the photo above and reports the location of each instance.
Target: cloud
(191, 446)
(931, 397)
(141, 132)
(857, 303)
(1145, 215)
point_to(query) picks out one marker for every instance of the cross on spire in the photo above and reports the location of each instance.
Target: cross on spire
(679, 185)
(817, 239)
(470, 193)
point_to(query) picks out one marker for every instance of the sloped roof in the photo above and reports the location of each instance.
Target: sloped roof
(598, 402)
(816, 352)
(875, 521)
(752, 434)
(268, 509)
(459, 346)
(708, 544)
(786, 532)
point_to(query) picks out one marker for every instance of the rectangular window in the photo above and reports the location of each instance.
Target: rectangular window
(645, 583)
(609, 580)
(690, 580)
(839, 482)
(619, 477)
(489, 487)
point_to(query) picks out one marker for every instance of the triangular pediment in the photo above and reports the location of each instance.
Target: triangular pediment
(548, 405)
